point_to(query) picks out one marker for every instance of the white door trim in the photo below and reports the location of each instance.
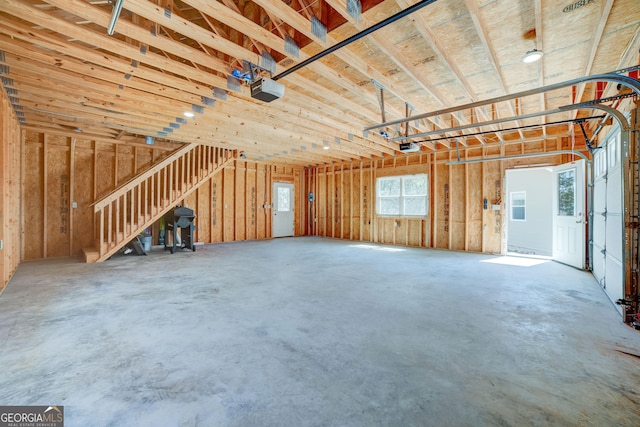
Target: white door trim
(283, 210)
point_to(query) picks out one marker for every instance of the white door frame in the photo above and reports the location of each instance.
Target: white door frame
(569, 221)
(283, 223)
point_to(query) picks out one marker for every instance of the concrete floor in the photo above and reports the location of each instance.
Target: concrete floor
(315, 332)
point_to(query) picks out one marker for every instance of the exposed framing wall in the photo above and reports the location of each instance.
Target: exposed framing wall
(344, 203)
(60, 169)
(10, 182)
(236, 203)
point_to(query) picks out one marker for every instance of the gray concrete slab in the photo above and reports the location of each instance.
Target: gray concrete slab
(317, 332)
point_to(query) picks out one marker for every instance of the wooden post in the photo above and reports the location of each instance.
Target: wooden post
(433, 192)
(362, 213)
(341, 201)
(332, 194)
(72, 180)
(23, 156)
(135, 160)
(466, 202)
(351, 200)
(451, 208)
(115, 166)
(45, 209)
(484, 196)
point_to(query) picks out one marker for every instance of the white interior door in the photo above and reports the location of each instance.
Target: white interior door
(283, 215)
(569, 214)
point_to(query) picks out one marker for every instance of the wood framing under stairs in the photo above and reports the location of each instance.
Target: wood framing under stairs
(137, 204)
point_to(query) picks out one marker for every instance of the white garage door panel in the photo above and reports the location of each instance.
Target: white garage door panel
(614, 280)
(614, 235)
(614, 201)
(599, 223)
(598, 229)
(607, 230)
(598, 264)
(599, 196)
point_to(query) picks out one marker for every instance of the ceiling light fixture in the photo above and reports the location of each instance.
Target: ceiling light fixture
(189, 114)
(532, 56)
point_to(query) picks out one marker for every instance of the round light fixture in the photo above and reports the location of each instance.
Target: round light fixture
(326, 147)
(189, 114)
(532, 56)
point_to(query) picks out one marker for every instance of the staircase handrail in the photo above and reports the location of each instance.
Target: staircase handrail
(133, 182)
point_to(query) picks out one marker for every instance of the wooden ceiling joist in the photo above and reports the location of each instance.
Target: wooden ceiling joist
(166, 57)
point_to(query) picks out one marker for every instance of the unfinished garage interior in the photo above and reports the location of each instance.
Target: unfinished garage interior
(321, 213)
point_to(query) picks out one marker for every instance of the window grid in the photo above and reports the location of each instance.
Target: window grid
(518, 206)
(405, 195)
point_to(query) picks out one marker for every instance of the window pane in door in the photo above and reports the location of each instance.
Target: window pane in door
(284, 199)
(566, 193)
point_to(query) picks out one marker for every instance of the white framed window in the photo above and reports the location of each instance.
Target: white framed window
(518, 204)
(405, 195)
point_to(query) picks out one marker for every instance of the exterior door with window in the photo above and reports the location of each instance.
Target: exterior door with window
(283, 214)
(569, 211)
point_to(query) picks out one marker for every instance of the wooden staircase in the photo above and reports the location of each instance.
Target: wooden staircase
(137, 204)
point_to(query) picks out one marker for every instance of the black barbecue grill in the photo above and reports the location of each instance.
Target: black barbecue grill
(180, 229)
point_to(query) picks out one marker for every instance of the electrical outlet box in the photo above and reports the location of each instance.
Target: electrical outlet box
(74, 205)
(495, 207)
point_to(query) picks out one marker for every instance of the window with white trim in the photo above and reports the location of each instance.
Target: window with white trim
(518, 206)
(405, 195)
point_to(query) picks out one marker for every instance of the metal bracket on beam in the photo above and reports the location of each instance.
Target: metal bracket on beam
(380, 95)
(115, 14)
(408, 108)
(587, 141)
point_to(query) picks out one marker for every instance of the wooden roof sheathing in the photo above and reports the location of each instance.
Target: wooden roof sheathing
(63, 72)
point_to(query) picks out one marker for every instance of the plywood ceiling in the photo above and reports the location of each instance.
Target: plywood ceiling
(63, 72)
